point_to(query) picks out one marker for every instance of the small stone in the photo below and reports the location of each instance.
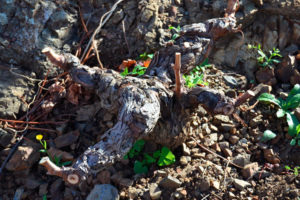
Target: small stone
(218, 119)
(226, 127)
(32, 182)
(216, 184)
(200, 169)
(206, 129)
(104, 177)
(224, 144)
(184, 160)
(230, 81)
(170, 182)
(199, 155)
(103, 192)
(186, 150)
(231, 195)
(66, 139)
(213, 137)
(126, 182)
(249, 170)
(183, 192)
(161, 173)
(227, 152)
(256, 121)
(154, 191)
(204, 184)
(233, 139)
(241, 159)
(240, 184)
(43, 189)
(216, 147)
(132, 193)
(270, 156)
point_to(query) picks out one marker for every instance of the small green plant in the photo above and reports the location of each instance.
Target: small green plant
(44, 197)
(196, 75)
(176, 34)
(295, 170)
(162, 157)
(138, 70)
(145, 56)
(264, 60)
(56, 160)
(286, 107)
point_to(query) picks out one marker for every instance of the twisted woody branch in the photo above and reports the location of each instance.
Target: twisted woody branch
(147, 107)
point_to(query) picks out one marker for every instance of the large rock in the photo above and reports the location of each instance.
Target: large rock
(14, 90)
(103, 192)
(28, 26)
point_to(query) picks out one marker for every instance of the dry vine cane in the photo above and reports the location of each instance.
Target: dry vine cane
(145, 106)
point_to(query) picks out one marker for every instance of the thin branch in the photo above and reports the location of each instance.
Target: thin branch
(208, 150)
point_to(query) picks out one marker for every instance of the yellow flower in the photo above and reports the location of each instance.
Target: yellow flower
(39, 137)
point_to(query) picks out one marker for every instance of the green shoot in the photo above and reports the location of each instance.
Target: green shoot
(264, 60)
(286, 107)
(196, 75)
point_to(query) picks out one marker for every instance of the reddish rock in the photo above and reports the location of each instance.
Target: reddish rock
(270, 156)
(249, 170)
(66, 139)
(266, 76)
(23, 158)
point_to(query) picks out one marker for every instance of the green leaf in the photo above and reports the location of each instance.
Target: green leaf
(298, 142)
(295, 90)
(156, 154)
(45, 144)
(139, 168)
(262, 54)
(269, 98)
(149, 159)
(44, 197)
(125, 72)
(298, 128)
(126, 157)
(296, 171)
(280, 113)
(150, 56)
(139, 145)
(293, 102)
(287, 167)
(292, 123)
(275, 61)
(175, 36)
(293, 142)
(66, 163)
(268, 135)
(43, 150)
(166, 157)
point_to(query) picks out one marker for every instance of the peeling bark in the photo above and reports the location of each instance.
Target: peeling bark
(147, 107)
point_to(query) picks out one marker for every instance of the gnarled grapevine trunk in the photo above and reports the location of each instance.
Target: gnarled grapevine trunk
(147, 107)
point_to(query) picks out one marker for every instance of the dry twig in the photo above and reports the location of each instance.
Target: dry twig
(177, 67)
(102, 22)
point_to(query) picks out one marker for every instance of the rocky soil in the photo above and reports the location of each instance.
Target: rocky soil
(249, 168)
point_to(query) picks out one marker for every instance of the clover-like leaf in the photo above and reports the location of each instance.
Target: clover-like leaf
(268, 135)
(166, 157)
(140, 168)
